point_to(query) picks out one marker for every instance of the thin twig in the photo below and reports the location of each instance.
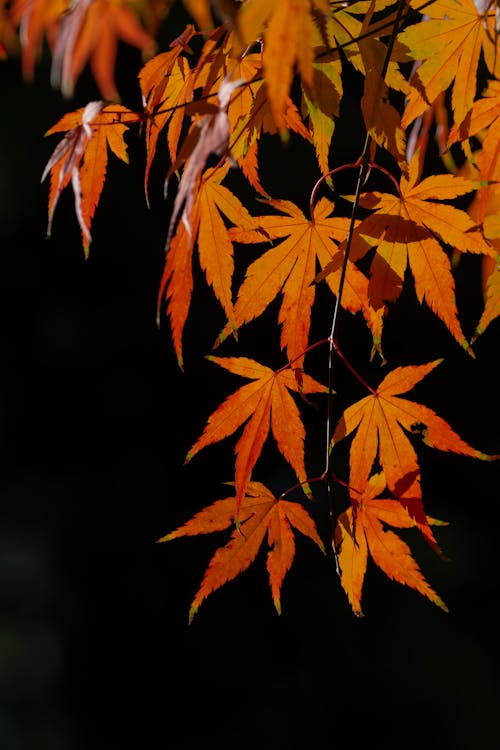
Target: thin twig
(363, 163)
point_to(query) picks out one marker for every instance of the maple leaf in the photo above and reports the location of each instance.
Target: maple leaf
(382, 120)
(382, 421)
(81, 157)
(447, 46)
(211, 203)
(35, 18)
(260, 513)
(360, 532)
(166, 85)
(404, 230)
(201, 12)
(485, 163)
(289, 267)
(321, 103)
(81, 31)
(90, 32)
(482, 114)
(288, 29)
(209, 136)
(492, 304)
(259, 120)
(491, 275)
(263, 404)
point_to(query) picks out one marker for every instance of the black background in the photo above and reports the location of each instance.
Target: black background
(96, 418)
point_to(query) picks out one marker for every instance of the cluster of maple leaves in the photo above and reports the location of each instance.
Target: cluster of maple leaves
(220, 88)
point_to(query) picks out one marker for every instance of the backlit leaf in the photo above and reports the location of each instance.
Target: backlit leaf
(362, 534)
(262, 405)
(260, 513)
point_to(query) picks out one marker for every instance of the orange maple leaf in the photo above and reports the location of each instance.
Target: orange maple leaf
(289, 267)
(35, 19)
(209, 135)
(484, 163)
(79, 32)
(288, 30)
(447, 47)
(491, 274)
(404, 230)
(492, 302)
(211, 202)
(260, 512)
(166, 85)
(89, 32)
(483, 113)
(263, 404)
(382, 422)
(360, 532)
(82, 156)
(259, 120)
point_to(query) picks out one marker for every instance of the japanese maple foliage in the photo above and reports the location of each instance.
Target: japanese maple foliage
(240, 74)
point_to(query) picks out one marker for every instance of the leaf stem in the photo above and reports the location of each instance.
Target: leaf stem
(351, 369)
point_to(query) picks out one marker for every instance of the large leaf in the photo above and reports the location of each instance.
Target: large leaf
(260, 513)
(382, 422)
(361, 533)
(404, 229)
(289, 268)
(447, 46)
(264, 404)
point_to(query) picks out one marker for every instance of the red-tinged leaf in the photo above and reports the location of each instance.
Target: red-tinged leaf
(360, 533)
(104, 24)
(260, 513)
(82, 156)
(79, 32)
(381, 423)
(35, 19)
(289, 268)
(263, 404)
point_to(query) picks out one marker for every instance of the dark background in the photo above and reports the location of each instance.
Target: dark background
(96, 418)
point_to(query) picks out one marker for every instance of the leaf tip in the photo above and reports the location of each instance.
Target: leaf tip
(192, 612)
(467, 347)
(489, 457)
(440, 603)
